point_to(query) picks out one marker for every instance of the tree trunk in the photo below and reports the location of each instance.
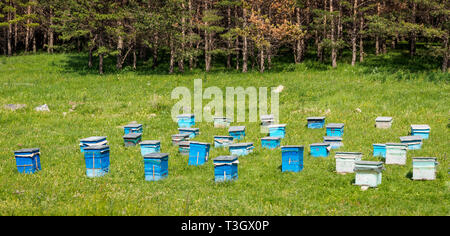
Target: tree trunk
(269, 58)
(119, 47)
(355, 11)
(333, 40)
(377, 38)
(172, 57)
(33, 35)
(299, 46)
(27, 35)
(412, 39)
(50, 33)
(261, 60)
(361, 42)
(207, 65)
(90, 58)
(134, 56)
(9, 36)
(229, 39)
(245, 43)
(445, 65)
(191, 58)
(100, 63)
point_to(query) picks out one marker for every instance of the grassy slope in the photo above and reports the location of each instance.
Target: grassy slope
(113, 100)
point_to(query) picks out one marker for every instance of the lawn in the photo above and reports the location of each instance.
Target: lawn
(354, 96)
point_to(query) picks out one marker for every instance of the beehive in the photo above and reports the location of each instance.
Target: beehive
(267, 120)
(241, 149)
(278, 130)
(368, 173)
(238, 132)
(421, 130)
(222, 141)
(97, 160)
(28, 160)
(221, 122)
(335, 129)
(345, 161)
(150, 146)
(177, 138)
(316, 122)
(424, 168)
(183, 147)
(292, 158)
(319, 149)
(156, 166)
(132, 128)
(186, 120)
(270, 142)
(379, 150)
(198, 153)
(92, 141)
(396, 153)
(225, 168)
(132, 139)
(413, 142)
(383, 122)
(335, 142)
(191, 131)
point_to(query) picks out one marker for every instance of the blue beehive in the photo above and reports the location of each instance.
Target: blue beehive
(270, 142)
(222, 141)
(198, 153)
(150, 146)
(316, 122)
(421, 130)
(156, 166)
(28, 160)
(133, 128)
(132, 139)
(191, 131)
(92, 141)
(183, 147)
(186, 120)
(379, 150)
(292, 158)
(335, 129)
(241, 149)
(177, 138)
(334, 141)
(319, 149)
(413, 142)
(238, 132)
(221, 122)
(225, 168)
(97, 160)
(278, 130)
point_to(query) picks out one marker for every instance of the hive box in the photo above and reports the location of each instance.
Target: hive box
(191, 131)
(131, 139)
(421, 130)
(238, 132)
(345, 161)
(278, 130)
(150, 146)
(335, 129)
(319, 149)
(240, 149)
(267, 120)
(316, 122)
(335, 142)
(270, 142)
(28, 160)
(413, 142)
(96, 159)
(383, 122)
(225, 168)
(221, 122)
(292, 158)
(396, 153)
(156, 166)
(92, 141)
(133, 128)
(368, 173)
(177, 138)
(183, 147)
(379, 150)
(222, 141)
(198, 153)
(186, 120)
(424, 168)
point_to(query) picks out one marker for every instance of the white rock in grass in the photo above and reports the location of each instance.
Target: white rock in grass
(14, 107)
(364, 188)
(358, 110)
(42, 108)
(278, 89)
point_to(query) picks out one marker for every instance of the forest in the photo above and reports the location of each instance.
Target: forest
(241, 34)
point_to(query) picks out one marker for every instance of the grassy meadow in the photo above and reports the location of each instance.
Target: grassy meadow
(410, 91)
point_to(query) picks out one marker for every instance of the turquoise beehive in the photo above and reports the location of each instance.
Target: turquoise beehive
(150, 146)
(191, 131)
(241, 149)
(222, 141)
(183, 147)
(28, 160)
(92, 141)
(413, 142)
(97, 160)
(368, 173)
(238, 132)
(292, 158)
(186, 120)
(421, 130)
(334, 141)
(379, 150)
(319, 149)
(316, 122)
(278, 130)
(198, 153)
(132, 128)
(270, 142)
(335, 129)
(156, 166)
(225, 168)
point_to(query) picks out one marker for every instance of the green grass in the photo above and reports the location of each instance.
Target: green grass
(110, 101)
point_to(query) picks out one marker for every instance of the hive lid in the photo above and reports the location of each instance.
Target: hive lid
(184, 143)
(93, 139)
(150, 142)
(319, 144)
(396, 144)
(420, 127)
(332, 138)
(133, 126)
(410, 138)
(185, 115)
(201, 143)
(348, 153)
(267, 117)
(383, 119)
(26, 150)
(369, 163)
(189, 129)
(180, 135)
(241, 144)
(277, 126)
(236, 128)
(225, 158)
(155, 155)
(132, 135)
(315, 118)
(335, 125)
(223, 136)
(271, 138)
(96, 147)
(379, 144)
(292, 146)
(424, 158)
